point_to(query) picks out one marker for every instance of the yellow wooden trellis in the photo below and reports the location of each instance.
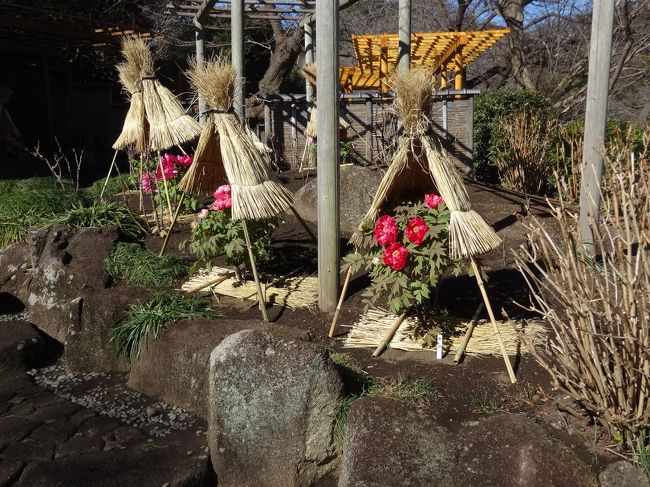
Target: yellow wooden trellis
(442, 52)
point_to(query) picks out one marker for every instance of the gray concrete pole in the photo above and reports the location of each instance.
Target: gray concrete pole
(309, 59)
(404, 53)
(600, 52)
(237, 46)
(327, 53)
(200, 59)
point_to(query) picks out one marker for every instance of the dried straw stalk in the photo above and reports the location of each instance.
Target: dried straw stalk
(227, 147)
(374, 325)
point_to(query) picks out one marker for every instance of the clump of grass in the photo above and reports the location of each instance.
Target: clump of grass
(152, 317)
(30, 203)
(140, 267)
(354, 377)
(483, 405)
(103, 214)
(340, 425)
(115, 185)
(405, 389)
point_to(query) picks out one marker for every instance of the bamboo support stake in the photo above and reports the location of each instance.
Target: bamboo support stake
(274, 282)
(108, 176)
(488, 306)
(260, 293)
(140, 186)
(214, 282)
(389, 336)
(164, 178)
(468, 334)
(339, 305)
(171, 225)
(304, 225)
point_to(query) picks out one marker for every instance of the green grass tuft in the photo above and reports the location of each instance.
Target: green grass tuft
(152, 317)
(405, 389)
(103, 214)
(340, 424)
(483, 405)
(140, 267)
(115, 185)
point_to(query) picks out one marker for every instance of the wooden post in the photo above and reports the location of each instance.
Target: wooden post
(600, 52)
(237, 46)
(199, 35)
(327, 53)
(369, 129)
(268, 124)
(309, 59)
(404, 52)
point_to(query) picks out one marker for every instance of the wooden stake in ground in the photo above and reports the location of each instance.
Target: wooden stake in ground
(108, 176)
(164, 178)
(468, 334)
(171, 225)
(389, 336)
(260, 292)
(486, 300)
(339, 305)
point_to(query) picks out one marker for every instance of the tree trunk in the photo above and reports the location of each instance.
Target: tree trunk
(288, 46)
(512, 12)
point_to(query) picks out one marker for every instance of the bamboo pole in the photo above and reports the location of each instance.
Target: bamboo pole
(215, 282)
(488, 306)
(339, 305)
(260, 293)
(389, 336)
(304, 225)
(274, 282)
(468, 334)
(171, 225)
(140, 185)
(164, 178)
(108, 176)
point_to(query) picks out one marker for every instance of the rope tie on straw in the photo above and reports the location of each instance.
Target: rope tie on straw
(219, 111)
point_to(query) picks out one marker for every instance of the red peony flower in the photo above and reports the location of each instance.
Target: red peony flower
(432, 200)
(184, 160)
(416, 230)
(385, 230)
(168, 169)
(395, 256)
(222, 198)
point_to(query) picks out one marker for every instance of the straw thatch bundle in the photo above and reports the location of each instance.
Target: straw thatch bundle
(155, 120)
(292, 292)
(309, 73)
(373, 326)
(226, 148)
(419, 158)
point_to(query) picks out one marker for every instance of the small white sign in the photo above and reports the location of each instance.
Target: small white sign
(439, 348)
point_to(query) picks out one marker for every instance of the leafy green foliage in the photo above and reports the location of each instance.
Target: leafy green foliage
(217, 233)
(140, 267)
(489, 110)
(152, 317)
(104, 214)
(425, 262)
(30, 203)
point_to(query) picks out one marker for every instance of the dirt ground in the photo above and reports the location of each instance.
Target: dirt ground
(478, 379)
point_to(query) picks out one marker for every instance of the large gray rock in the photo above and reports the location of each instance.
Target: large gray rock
(14, 261)
(392, 444)
(513, 450)
(88, 346)
(175, 367)
(272, 402)
(357, 188)
(21, 346)
(67, 264)
(623, 474)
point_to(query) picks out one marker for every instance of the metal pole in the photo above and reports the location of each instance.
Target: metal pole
(309, 59)
(595, 118)
(327, 53)
(199, 34)
(237, 45)
(404, 53)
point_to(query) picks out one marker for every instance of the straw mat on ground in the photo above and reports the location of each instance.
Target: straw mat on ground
(294, 292)
(372, 327)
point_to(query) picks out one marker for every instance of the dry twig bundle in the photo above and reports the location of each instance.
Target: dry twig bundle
(373, 326)
(226, 150)
(599, 308)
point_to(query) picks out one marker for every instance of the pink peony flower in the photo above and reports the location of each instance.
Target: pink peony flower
(395, 256)
(168, 170)
(147, 182)
(222, 198)
(202, 214)
(432, 200)
(385, 230)
(375, 260)
(193, 225)
(416, 229)
(184, 160)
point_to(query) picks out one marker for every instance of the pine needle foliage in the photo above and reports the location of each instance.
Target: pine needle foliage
(144, 320)
(140, 267)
